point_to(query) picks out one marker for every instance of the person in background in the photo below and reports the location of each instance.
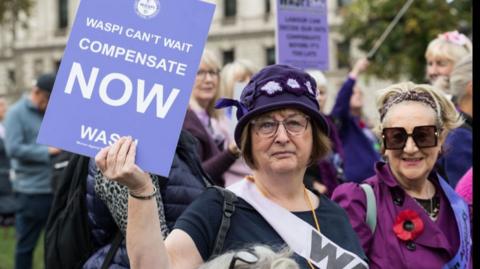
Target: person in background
(442, 54)
(31, 166)
(457, 154)
(280, 130)
(233, 78)
(325, 175)
(359, 143)
(465, 190)
(208, 125)
(420, 221)
(7, 201)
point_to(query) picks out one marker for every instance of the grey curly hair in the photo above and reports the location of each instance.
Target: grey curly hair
(267, 259)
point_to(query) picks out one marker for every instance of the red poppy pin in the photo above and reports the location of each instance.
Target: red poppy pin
(408, 225)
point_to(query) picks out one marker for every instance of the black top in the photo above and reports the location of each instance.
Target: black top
(201, 220)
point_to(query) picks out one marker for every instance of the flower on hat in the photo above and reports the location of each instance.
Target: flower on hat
(309, 87)
(292, 83)
(272, 87)
(408, 225)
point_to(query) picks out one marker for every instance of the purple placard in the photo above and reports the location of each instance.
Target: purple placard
(302, 33)
(128, 69)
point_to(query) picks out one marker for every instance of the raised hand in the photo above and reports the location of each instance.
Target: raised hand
(359, 67)
(117, 163)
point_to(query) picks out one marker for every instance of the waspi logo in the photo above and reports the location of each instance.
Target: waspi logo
(147, 9)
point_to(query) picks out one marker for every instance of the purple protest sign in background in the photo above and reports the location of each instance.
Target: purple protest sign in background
(302, 33)
(128, 69)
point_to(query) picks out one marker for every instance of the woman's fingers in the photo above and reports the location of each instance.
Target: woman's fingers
(101, 158)
(112, 155)
(122, 153)
(132, 152)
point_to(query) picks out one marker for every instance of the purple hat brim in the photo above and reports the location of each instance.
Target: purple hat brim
(284, 104)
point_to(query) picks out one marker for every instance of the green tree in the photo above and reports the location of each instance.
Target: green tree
(10, 11)
(403, 51)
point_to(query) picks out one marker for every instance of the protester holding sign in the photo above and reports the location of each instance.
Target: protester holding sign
(442, 53)
(422, 222)
(359, 142)
(208, 125)
(280, 131)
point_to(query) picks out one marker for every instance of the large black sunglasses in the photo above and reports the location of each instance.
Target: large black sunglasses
(245, 256)
(423, 136)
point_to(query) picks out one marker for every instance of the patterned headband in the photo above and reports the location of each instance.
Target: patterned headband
(422, 97)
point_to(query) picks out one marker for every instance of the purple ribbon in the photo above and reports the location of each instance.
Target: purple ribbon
(225, 102)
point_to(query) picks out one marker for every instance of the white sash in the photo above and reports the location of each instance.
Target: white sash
(300, 236)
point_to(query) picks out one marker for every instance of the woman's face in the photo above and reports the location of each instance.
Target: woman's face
(411, 163)
(206, 84)
(437, 66)
(356, 100)
(322, 97)
(283, 151)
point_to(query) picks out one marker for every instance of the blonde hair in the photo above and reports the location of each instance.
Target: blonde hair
(444, 47)
(447, 117)
(460, 77)
(209, 59)
(319, 77)
(231, 73)
(267, 259)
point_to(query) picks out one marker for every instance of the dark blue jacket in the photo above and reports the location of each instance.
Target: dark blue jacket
(186, 181)
(457, 152)
(360, 154)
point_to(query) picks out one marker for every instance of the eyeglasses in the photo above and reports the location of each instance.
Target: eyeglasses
(246, 256)
(423, 136)
(295, 125)
(203, 73)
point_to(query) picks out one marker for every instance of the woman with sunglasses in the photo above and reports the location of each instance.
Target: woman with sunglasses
(420, 221)
(280, 131)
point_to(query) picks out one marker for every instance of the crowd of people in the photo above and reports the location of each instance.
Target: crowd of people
(264, 177)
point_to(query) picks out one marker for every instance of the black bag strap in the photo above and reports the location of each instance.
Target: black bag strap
(228, 209)
(117, 240)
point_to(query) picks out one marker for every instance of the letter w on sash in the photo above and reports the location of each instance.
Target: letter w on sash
(329, 251)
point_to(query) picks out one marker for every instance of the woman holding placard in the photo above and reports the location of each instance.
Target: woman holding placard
(280, 131)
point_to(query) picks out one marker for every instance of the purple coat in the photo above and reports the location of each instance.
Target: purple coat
(433, 248)
(214, 161)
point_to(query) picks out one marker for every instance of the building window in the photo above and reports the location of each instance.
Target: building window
(228, 56)
(57, 65)
(38, 67)
(11, 76)
(230, 8)
(62, 14)
(343, 54)
(268, 7)
(341, 3)
(270, 53)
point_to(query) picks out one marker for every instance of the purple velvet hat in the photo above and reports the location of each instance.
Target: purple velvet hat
(276, 87)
